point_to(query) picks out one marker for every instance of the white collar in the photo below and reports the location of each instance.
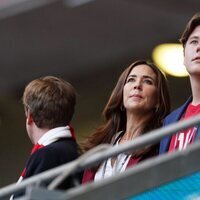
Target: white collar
(55, 134)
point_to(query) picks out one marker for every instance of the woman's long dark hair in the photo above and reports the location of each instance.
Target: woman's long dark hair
(115, 117)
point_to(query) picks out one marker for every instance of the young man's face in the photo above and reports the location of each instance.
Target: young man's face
(192, 52)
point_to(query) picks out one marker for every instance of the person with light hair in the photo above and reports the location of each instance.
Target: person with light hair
(49, 104)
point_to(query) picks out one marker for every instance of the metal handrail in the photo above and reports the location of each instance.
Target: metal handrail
(88, 161)
(10, 8)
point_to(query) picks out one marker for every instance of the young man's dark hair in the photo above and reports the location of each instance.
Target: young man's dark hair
(194, 21)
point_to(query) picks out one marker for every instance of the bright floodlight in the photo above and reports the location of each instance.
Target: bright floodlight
(169, 57)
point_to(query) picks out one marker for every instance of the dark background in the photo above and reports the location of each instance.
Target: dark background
(89, 46)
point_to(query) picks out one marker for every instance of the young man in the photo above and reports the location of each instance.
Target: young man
(190, 40)
(49, 106)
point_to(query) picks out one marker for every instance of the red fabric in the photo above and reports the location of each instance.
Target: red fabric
(88, 176)
(36, 147)
(133, 161)
(72, 132)
(181, 139)
(23, 173)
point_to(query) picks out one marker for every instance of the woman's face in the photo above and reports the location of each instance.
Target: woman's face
(140, 90)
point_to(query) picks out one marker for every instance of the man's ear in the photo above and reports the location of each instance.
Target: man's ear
(29, 118)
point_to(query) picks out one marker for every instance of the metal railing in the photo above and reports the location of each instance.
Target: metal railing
(10, 8)
(97, 155)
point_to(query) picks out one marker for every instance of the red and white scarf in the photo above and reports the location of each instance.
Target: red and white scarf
(48, 138)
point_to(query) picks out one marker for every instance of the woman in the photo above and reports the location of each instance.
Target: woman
(138, 104)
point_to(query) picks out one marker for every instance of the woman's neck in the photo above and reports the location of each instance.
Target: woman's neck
(134, 126)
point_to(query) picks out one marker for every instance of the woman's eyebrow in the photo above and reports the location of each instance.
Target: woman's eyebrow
(144, 76)
(193, 37)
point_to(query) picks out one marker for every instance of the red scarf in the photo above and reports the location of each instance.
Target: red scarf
(50, 137)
